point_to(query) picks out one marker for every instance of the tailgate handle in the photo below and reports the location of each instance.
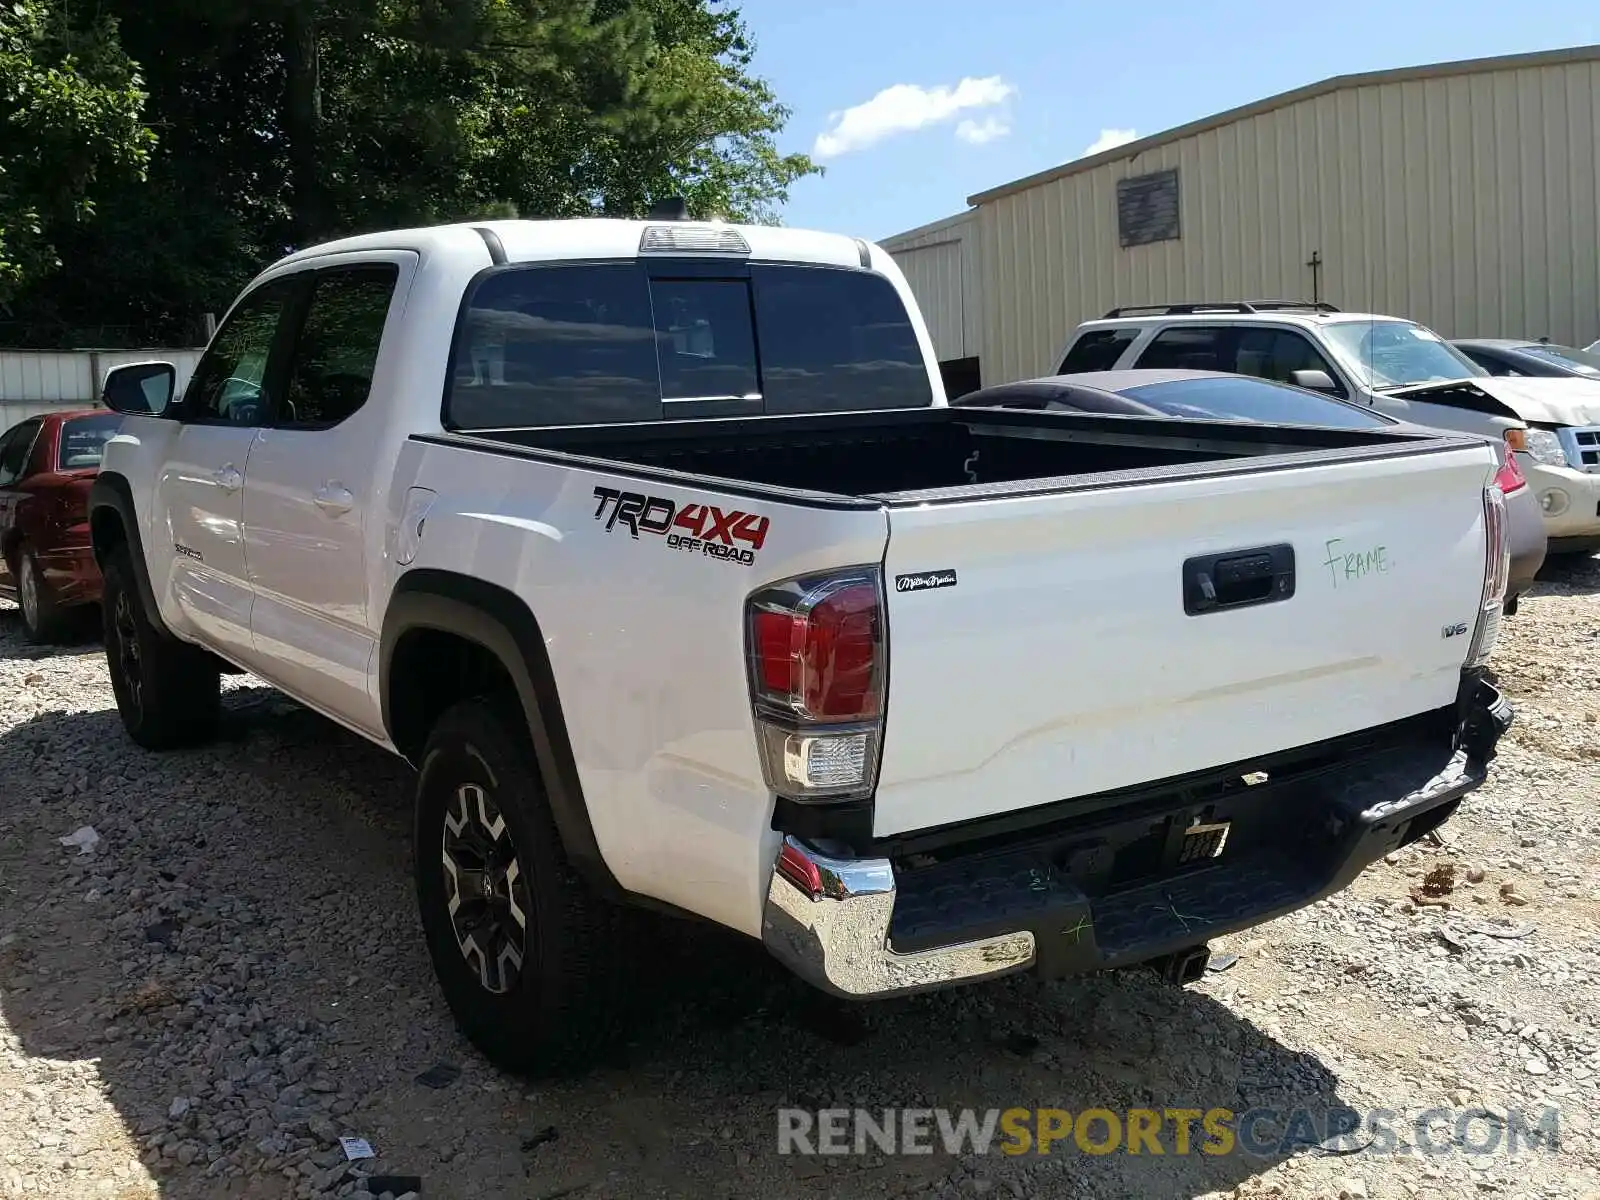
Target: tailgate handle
(1238, 579)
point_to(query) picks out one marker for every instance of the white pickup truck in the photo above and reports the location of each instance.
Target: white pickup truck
(655, 547)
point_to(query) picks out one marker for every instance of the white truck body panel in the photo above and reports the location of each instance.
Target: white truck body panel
(1063, 663)
(647, 647)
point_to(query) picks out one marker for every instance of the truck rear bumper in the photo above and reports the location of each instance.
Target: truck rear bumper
(1128, 883)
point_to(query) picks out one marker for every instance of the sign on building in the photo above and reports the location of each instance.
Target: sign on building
(1147, 208)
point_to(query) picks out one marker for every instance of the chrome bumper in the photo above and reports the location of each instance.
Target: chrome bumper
(827, 920)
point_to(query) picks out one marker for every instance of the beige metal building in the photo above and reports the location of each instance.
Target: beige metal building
(1464, 195)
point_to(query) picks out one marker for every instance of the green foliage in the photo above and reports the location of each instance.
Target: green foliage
(286, 122)
(70, 125)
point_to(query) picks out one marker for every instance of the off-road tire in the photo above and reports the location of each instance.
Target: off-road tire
(556, 1014)
(169, 693)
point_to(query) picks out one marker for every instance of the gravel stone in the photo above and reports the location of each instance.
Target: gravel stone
(286, 997)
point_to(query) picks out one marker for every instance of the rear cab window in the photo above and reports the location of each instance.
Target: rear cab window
(83, 440)
(577, 344)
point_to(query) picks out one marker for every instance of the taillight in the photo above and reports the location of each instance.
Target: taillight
(1496, 575)
(817, 666)
(1509, 477)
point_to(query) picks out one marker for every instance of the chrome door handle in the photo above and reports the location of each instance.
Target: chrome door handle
(229, 478)
(334, 499)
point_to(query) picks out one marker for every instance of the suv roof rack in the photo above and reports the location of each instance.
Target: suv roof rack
(1217, 306)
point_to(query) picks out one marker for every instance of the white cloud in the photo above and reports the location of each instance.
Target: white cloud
(1110, 139)
(905, 107)
(976, 133)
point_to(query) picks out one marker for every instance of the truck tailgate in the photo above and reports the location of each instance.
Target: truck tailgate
(1040, 648)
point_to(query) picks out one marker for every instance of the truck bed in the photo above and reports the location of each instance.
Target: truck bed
(920, 455)
(1077, 603)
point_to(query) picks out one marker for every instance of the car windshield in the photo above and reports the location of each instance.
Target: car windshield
(1390, 354)
(83, 440)
(1580, 362)
(1244, 399)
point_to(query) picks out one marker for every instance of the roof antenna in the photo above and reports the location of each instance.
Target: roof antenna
(672, 208)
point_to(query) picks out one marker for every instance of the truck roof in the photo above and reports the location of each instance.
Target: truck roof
(600, 237)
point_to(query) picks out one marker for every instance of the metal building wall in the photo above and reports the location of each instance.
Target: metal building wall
(39, 381)
(1468, 200)
(940, 263)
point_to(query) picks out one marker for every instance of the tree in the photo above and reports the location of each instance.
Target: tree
(70, 129)
(287, 122)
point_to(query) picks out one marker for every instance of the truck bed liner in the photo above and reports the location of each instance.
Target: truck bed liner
(948, 454)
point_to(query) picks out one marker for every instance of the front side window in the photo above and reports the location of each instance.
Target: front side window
(229, 385)
(1277, 354)
(83, 440)
(336, 349)
(1097, 350)
(1392, 354)
(1492, 364)
(1189, 348)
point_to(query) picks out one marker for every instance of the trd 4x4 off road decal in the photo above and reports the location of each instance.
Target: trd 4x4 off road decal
(698, 528)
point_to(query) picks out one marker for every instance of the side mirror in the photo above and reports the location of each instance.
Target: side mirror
(140, 389)
(1314, 380)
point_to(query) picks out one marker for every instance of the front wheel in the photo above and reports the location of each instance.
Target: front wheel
(168, 692)
(528, 957)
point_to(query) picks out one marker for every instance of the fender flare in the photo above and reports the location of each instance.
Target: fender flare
(499, 621)
(112, 492)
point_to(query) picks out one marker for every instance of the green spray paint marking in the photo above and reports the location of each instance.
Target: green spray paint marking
(1351, 566)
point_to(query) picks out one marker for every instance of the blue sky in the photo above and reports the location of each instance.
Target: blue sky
(986, 91)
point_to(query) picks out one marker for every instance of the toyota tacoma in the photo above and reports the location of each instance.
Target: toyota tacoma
(656, 549)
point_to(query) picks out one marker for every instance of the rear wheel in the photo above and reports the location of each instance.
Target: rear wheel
(169, 693)
(43, 619)
(529, 959)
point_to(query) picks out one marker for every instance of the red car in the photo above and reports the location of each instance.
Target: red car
(46, 563)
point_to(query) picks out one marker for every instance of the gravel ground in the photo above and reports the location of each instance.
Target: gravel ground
(234, 977)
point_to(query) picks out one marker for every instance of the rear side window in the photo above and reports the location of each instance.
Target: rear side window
(14, 449)
(1189, 348)
(1582, 362)
(1097, 350)
(606, 343)
(834, 340)
(336, 349)
(1252, 400)
(83, 440)
(556, 346)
